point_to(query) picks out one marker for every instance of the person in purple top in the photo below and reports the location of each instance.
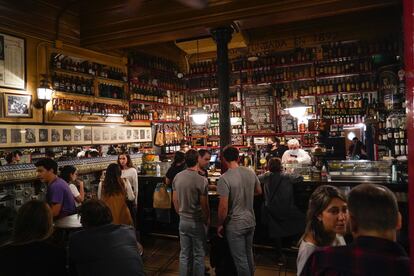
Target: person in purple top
(58, 195)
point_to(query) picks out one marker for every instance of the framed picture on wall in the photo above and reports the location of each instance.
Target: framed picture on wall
(18, 105)
(12, 62)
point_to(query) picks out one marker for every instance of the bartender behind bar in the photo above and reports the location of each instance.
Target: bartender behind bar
(274, 148)
(295, 154)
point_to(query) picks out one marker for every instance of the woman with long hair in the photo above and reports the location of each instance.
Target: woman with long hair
(177, 166)
(114, 191)
(326, 222)
(32, 228)
(129, 172)
(69, 173)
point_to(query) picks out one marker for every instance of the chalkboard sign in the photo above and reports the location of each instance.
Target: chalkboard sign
(259, 110)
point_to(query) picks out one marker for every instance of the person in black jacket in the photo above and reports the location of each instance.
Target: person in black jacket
(103, 248)
(279, 212)
(30, 252)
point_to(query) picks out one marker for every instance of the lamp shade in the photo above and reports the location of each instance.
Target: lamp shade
(199, 116)
(44, 93)
(297, 109)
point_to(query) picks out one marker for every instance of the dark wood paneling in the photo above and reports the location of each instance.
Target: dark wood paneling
(114, 25)
(38, 18)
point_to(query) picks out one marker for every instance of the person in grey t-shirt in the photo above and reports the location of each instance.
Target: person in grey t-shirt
(237, 188)
(190, 197)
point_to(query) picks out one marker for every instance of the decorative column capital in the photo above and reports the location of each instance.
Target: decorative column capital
(222, 34)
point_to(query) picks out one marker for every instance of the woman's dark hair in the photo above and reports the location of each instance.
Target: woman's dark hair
(318, 202)
(129, 163)
(113, 183)
(179, 158)
(95, 213)
(274, 165)
(203, 152)
(66, 171)
(34, 222)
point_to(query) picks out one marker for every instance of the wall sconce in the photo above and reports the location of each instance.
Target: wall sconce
(44, 93)
(297, 109)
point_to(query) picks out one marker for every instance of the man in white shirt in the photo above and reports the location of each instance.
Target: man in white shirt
(295, 154)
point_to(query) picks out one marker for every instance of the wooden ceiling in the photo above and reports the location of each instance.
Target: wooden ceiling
(108, 25)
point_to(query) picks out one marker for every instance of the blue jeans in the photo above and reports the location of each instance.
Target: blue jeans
(241, 248)
(192, 241)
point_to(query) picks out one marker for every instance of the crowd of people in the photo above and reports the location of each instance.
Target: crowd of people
(108, 244)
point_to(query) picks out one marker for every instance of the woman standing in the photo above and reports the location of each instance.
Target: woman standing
(129, 172)
(114, 191)
(326, 222)
(177, 166)
(70, 175)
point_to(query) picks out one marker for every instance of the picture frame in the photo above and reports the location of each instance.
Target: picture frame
(12, 61)
(18, 105)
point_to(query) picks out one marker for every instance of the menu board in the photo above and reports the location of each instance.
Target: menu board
(12, 62)
(259, 110)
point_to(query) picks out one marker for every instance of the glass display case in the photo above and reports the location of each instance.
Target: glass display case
(296, 168)
(359, 170)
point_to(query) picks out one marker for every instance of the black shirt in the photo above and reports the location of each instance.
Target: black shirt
(173, 171)
(35, 258)
(278, 152)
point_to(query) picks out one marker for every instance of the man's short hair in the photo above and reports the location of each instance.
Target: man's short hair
(95, 213)
(230, 153)
(373, 207)
(48, 164)
(191, 158)
(275, 165)
(292, 142)
(203, 152)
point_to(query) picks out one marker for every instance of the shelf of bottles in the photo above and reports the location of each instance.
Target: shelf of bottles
(73, 84)
(109, 90)
(209, 98)
(153, 94)
(150, 112)
(84, 107)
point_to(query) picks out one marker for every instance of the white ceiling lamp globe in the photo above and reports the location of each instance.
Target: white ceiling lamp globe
(199, 116)
(297, 110)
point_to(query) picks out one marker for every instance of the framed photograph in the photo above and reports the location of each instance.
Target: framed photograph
(43, 135)
(30, 135)
(55, 135)
(97, 134)
(16, 135)
(3, 135)
(87, 134)
(77, 135)
(106, 135)
(18, 105)
(12, 62)
(67, 135)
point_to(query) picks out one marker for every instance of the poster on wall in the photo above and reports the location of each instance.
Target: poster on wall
(12, 62)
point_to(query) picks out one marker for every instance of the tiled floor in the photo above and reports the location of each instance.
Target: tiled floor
(161, 258)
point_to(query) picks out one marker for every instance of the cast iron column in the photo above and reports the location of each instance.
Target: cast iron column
(222, 36)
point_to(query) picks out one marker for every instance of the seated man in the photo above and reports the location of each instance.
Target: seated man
(58, 195)
(374, 221)
(103, 248)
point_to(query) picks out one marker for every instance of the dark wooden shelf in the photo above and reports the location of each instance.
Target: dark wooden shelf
(153, 103)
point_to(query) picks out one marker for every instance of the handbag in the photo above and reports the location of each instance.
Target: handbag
(162, 197)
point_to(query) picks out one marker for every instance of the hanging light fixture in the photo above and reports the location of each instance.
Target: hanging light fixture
(297, 109)
(44, 92)
(199, 116)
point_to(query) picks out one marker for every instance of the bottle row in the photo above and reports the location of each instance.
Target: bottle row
(162, 81)
(392, 128)
(349, 101)
(209, 98)
(346, 119)
(87, 107)
(309, 139)
(171, 147)
(215, 130)
(153, 94)
(108, 90)
(60, 61)
(335, 51)
(73, 84)
(153, 62)
(399, 147)
(143, 112)
(235, 111)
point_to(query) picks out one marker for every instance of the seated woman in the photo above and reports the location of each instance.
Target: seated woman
(70, 175)
(114, 191)
(326, 222)
(279, 212)
(29, 244)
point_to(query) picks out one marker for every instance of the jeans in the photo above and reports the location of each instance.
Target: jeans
(241, 248)
(192, 241)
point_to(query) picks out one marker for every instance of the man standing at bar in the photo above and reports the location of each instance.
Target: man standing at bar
(190, 197)
(58, 195)
(237, 188)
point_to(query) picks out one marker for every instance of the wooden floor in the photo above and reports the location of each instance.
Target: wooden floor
(161, 258)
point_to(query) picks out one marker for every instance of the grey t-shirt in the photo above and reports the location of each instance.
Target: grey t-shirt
(189, 186)
(238, 185)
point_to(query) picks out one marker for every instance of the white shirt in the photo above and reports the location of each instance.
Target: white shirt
(132, 176)
(75, 193)
(301, 156)
(306, 249)
(129, 192)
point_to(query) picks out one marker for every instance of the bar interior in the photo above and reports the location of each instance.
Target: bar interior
(326, 87)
